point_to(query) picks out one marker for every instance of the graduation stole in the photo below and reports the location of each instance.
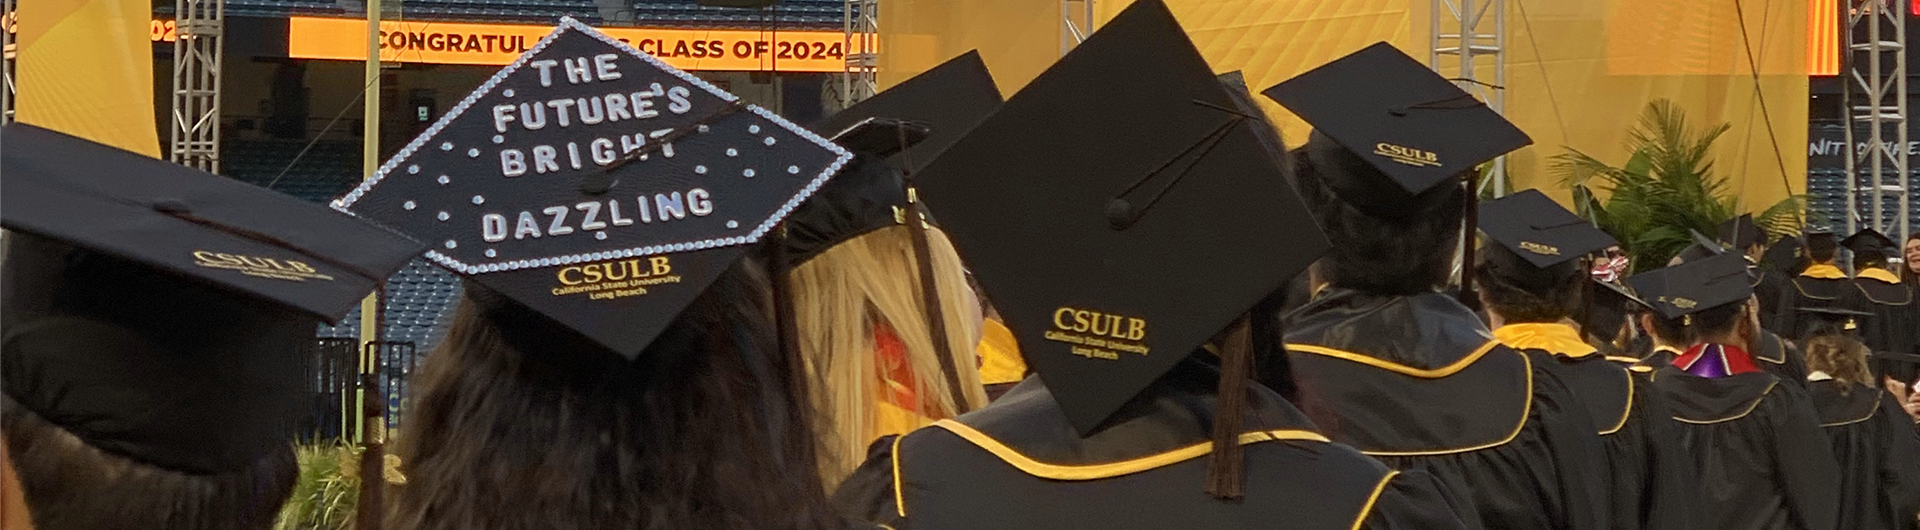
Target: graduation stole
(1824, 271)
(1557, 339)
(1715, 361)
(1879, 274)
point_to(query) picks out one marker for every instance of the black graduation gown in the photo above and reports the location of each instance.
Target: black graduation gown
(1651, 480)
(1810, 291)
(1759, 456)
(1893, 327)
(1878, 453)
(1018, 464)
(1770, 287)
(1775, 355)
(1419, 383)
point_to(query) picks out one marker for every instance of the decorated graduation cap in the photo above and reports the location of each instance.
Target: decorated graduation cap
(1681, 290)
(158, 312)
(1742, 233)
(1538, 242)
(1869, 243)
(1117, 234)
(597, 186)
(949, 100)
(1397, 130)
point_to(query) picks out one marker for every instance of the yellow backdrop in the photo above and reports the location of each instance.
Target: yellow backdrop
(86, 68)
(1578, 72)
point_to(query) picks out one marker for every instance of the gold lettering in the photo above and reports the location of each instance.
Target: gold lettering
(1406, 155)
(611, 268)
(1541, 249)
(1136, 329)
(301, 266)
(1057, 313)
(661, 266)
(1080, 321)
(1097, 329)
(562, 276)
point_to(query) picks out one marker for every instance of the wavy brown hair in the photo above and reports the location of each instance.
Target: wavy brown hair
(1841, 357)
(524, 424)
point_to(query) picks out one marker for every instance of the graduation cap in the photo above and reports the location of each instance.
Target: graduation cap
(1414, 129)
(1785, 255)
(1702, 248)
(185, 221)
(1538, 242)
(1609, 308)
(597, 186)
(1819, 239)
(1695, 286)
(1116, 234)
(1869, 243)
(1834, 321)
(949, 99)
(157, 311)
(1742, 233)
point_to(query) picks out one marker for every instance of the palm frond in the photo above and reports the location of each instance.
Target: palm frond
(1667, 189)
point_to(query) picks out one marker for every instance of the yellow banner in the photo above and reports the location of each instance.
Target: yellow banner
(84, 71)
(500, 44)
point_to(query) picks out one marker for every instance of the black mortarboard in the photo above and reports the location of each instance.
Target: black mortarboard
(1609, 308)
(949, 99)
(1414, 128)
(1833, 320)
(1702, 248)
(1117, 233)
(1785, 256)
(1819, 239)
(1868, 242)
(1742, 233)
(868, 195)
(608, 222)
(1534, 237)
(186, 221)
(1694, 286)
(158, 312)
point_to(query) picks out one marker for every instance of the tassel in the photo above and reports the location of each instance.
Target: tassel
(1225, 466)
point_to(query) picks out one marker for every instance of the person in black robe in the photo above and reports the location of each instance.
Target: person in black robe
(1873, 439)
(1771, 353)
(1821, 285)
(1125, 425)
(1779, 264)
(1878, 290)
(1760, 459)
(1532, 277)
(1385, 361)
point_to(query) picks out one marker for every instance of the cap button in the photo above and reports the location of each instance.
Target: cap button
(596, 184)
(1119, 214)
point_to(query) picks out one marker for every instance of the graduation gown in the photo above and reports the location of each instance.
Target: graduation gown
(1820, 285)
(1770, 287)
(1893, 327)
(1760, 458)
(1019, 464)
(1650, 480)
(1878, 453)
(1771, 354)
(1419, 383)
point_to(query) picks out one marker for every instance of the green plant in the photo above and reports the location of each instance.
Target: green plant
(1666, 189)
(327, 492)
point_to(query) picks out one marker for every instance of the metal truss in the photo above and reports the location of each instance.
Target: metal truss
(197, 56)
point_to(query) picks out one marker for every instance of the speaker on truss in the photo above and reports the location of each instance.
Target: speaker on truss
(738, 3)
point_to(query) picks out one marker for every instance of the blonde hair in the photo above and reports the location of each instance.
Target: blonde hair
(1841, 357)
(840, 298)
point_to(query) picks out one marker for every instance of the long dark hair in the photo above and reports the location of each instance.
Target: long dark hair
(1908, 267)
(523, 424)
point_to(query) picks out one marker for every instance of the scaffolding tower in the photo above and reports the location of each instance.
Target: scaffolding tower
(1076, 23)
(197, 56)
(1875, 102)
(860, 24)
(9, 19)
(1463, 36)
